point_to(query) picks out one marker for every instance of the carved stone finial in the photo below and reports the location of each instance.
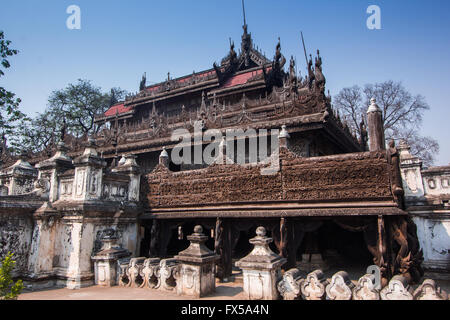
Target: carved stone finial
(365, 289)
(130, 159)
(164, 158)
(405, 151)
(289, 286)
(429, 291)
(373, 107)
(122, 161)
(340, 287)
(261, 232)
(313, 287)
(403, 145)
(283, 137)
(198, 229)
(164, 153)
(91, 147)
(283, 132)
(397, 289)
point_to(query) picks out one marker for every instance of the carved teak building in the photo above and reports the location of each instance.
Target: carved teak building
(327, 194)
(327, 183)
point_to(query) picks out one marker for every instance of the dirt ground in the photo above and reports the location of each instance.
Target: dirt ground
(224, 291)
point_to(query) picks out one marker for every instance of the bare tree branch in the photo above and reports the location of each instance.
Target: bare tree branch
(402, 114)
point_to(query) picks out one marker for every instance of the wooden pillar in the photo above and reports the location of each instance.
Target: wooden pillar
(291, 246)
(223, 248)
(154, 239)
(280, 235)
(389, 251)
(164, 237)
(383, 260)
(287, 238)
(295, 239)
(375, 236)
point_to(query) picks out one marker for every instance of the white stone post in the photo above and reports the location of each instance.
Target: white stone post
(50, 168)
(89, 167)
(410, 169)
(19, 177)
(261, 269)
(129, 166)
(42, 251)
(79, 272)
(105, 261)
(196, 274)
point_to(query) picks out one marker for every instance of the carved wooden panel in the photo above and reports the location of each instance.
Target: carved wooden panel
(352, 177)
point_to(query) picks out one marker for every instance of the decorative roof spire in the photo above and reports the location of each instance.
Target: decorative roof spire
(246, 44)
(245, 23)
(143, 82)
(154, 109)
(203, 105)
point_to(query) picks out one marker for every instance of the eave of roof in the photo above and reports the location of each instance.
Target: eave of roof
(117, 109)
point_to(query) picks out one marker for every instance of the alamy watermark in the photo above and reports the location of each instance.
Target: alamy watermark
(376, 272)
(374, 20)
(73, 22)
(231, 148)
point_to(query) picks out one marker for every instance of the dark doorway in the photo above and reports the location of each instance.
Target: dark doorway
(351, 247)
(243, 246)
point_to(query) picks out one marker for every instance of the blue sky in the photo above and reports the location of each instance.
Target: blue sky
(119, 40)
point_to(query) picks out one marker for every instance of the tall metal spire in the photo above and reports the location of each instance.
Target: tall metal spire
(243, 10)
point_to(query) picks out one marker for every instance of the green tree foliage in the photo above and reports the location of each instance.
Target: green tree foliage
(10, 114)
(74, 107)
(402, 114)
(9, 290)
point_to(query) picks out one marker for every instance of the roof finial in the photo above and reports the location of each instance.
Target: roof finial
(243, 10)
(154, 109)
